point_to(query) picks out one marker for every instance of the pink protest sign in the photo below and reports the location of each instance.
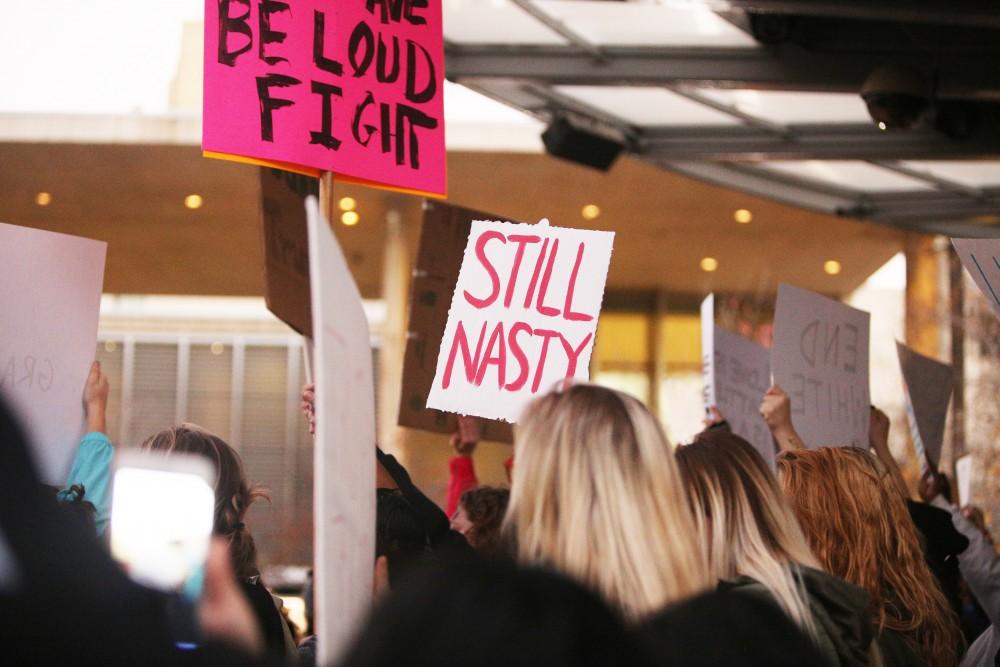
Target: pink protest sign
(354, 87)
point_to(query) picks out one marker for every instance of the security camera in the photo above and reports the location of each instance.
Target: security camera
(897, 97)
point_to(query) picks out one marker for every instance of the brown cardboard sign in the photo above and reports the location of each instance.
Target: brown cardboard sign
(443, 238)
(286, 246)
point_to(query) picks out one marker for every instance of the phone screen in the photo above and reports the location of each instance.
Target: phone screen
(162, 509)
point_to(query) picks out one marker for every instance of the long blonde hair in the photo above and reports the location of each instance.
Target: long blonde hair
(858, 526)
(595, 494)
(744, 522)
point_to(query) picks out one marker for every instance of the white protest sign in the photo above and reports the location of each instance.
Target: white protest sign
(523, 316)
(981, 258)
(820, 358)
(927, 385)
(708, 394)
(50, 300)
(963, 479)
(739, 377)
(344, 457)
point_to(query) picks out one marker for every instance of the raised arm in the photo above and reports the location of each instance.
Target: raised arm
(91, 469)
(462, 471)
(776, 409)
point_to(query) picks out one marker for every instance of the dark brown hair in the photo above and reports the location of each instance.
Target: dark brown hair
(485, 506)
(233, 494)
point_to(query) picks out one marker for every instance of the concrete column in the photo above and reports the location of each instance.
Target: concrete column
(926, 294)
(397, 267)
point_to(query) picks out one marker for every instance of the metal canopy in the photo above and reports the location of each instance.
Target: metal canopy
(761, 95)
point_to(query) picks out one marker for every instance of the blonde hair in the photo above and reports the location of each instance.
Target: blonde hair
(596, 495)
(744, 522)
(858, 525)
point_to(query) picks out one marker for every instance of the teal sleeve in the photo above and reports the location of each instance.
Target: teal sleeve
(92, 470)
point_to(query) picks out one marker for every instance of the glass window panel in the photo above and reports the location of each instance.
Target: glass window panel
(680, 406)
(850, 174)
(633, 383)
(647, 105)
(209, 388)
(794, 107)
(154, 390)
(622, 338)
(646, 24)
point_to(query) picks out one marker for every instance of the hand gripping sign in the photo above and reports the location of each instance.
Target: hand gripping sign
(523, 316)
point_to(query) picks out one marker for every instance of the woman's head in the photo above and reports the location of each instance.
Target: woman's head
(744, 522)
(233, 494)
(596, 494)
(479, 517)
(858, 526)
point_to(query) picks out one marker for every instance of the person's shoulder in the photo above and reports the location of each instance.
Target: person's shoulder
(937, 527)
(754, 629)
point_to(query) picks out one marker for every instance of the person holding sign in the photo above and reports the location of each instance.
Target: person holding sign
(596, 495)
(858, 526)
(753, 545)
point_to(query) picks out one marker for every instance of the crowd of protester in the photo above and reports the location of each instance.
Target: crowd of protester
(610, 547)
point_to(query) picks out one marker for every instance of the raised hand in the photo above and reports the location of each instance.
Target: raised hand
(95, 399)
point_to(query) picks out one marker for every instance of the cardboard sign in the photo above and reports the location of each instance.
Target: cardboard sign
(354, 87)
(286, 246)
(963, 479)
(50, 297)
(981, 258)
(820, 358)
(344, 485)
(443, 237)
(928, 385)
(523, 316)
(737, 375)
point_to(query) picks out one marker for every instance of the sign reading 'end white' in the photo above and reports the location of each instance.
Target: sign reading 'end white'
(523, 316)
(820, 357)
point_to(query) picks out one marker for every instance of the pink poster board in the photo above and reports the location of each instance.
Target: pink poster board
(354, 87)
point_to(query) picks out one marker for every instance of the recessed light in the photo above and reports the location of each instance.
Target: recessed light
(350, 218)
(882, 126)
(709, 264)
(742, 216)
(831, 266)
(217, 347)
(110, 346)
(347, 203)
(590, 211)
(43, 198)
(193, 201)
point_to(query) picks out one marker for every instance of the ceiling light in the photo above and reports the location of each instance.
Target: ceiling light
(217, 347)
(590, 211)
(193, 201)
(347, 203)
(742, 216)
(110, 346)
(350, 218)
(709, 264)
(831, 266)
(43, 199)
(882, 125)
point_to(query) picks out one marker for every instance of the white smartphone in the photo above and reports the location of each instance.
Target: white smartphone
(162, 510)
